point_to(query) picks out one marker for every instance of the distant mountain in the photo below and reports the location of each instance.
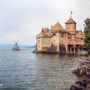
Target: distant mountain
(26, 46)
(11, 45)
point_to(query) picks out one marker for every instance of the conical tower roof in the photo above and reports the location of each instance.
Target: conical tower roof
(57, 26)
(70, 21)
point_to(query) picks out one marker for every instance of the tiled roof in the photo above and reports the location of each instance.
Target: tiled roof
(57, 26)
(45, 30)
(70, 21)
(76, 43)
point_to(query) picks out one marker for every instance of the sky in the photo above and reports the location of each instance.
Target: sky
(22, 20)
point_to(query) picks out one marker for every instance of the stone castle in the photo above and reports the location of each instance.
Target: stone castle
(60, 40)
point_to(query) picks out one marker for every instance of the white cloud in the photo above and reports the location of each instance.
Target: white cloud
(22, 20)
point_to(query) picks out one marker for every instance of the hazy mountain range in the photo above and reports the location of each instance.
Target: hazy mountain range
(21, 46)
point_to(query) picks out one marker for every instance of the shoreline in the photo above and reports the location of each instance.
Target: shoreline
(83, 72)
(43, 52)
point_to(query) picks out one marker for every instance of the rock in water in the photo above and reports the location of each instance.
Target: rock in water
(16, 48)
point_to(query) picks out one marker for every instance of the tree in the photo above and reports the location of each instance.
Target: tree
(87, 35)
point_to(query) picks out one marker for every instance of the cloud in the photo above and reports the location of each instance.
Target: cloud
(22, 20)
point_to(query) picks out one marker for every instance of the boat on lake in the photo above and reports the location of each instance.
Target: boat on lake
(16, 47)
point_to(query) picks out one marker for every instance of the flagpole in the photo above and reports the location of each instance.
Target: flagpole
(71, 15)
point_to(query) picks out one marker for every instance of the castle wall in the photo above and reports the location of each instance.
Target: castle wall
(43, 43)
(70, 26)
(80, 36)
(46, 42)
(63, 41)
(60, 40)
(39, 44)
(55, 41)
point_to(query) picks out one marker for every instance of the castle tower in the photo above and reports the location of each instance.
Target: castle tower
(70, 25)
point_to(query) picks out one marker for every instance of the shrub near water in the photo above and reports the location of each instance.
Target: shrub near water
(87, 35)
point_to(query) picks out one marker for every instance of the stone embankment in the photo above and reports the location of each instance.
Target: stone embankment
(83, 72)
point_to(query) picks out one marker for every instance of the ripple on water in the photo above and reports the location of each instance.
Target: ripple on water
(25, 70)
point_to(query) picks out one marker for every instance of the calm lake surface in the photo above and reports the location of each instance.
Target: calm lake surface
(24, 70)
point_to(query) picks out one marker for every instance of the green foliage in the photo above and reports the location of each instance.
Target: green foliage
(87, 35)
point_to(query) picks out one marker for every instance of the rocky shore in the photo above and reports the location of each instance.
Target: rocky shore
(83, 72)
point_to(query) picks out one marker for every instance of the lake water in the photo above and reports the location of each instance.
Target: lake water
(24, 70)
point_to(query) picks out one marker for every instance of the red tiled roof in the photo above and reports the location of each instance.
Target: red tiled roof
(76, 43)
(45, 30)
(70, 21)
(57, 26)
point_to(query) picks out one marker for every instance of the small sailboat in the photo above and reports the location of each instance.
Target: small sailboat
(16, 47)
